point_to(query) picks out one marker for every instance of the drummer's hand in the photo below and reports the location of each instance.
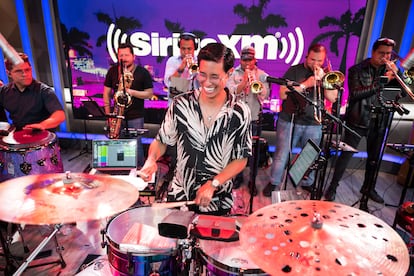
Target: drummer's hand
(34, 127)
(149, 168)
(205, 194)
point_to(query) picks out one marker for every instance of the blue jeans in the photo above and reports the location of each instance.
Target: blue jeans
(138, 123)
(301, 134)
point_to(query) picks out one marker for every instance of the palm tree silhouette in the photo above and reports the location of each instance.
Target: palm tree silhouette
(76, 40)
(125, 24)
(348, 26)
(254, 21)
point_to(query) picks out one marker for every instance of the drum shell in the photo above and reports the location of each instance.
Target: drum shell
(158, 254)
(226, 258)
(43, 157)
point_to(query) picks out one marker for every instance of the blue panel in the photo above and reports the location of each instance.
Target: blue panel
(3, 74)
(24, 31)
(378, 21)
(54, 65)
(408, 33)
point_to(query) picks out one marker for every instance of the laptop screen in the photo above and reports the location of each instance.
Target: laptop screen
(114, 154)
(303, 161)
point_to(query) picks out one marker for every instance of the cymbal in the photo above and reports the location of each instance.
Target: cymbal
(307, 237)
(343, 146)
(64, 198)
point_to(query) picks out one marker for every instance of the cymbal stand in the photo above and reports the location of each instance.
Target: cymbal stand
(255, 162)
(85, 149)
(35, 252)
(8, 268)
(326, 141)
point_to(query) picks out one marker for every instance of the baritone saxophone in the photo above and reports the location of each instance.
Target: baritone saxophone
(122, 100)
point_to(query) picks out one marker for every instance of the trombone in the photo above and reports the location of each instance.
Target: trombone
(404, 86)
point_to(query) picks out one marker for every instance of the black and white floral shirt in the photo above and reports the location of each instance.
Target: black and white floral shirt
(204, 152)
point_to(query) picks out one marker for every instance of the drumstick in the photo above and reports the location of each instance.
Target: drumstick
(172, 204)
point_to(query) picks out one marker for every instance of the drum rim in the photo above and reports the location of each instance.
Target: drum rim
(225, 268)
(47, 141)
(116, 246)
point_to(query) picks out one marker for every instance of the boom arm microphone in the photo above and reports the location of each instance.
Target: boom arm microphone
(285, 82)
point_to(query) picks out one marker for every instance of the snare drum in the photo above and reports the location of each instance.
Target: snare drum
(226, 258)
(27, 153)
(136, 248)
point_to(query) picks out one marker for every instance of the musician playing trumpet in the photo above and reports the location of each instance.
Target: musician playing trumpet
(245, 83)
(364, 83)
(141, 88)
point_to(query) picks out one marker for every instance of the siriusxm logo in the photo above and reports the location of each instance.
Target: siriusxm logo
(290, 48)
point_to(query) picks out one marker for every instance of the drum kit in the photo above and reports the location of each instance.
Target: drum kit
(300, 237)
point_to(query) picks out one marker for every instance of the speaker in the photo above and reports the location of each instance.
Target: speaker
(188, 36)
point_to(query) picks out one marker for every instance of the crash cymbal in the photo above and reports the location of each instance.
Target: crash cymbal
(307, 237)
(63, 198)
(343, 146)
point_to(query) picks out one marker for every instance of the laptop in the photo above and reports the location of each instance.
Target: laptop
(114, 157)
(304, 160)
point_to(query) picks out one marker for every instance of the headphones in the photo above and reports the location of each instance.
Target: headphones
(189, 36)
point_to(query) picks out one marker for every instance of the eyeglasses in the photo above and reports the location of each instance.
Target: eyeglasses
(213, 78)
(21, 71)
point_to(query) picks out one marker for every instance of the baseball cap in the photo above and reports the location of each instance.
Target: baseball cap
(248, 53)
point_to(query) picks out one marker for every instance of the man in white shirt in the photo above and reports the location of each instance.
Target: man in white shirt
(180, 70)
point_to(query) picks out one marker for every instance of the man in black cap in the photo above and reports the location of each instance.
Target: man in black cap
(245, 83)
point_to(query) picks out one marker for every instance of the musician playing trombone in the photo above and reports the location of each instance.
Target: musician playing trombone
(299, 121)
(245, 83)
(364, 83)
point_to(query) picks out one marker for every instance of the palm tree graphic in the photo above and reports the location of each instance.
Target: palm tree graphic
(125, 24)
(348, 25)
(254, 21)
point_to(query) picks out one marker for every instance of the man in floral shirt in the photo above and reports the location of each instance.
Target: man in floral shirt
(212, 133)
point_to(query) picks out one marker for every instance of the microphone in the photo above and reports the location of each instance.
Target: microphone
(285, 82)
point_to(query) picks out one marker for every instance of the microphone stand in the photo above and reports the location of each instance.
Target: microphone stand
(317, 193)
(387, 110)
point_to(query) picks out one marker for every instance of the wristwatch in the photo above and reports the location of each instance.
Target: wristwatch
(215, 183)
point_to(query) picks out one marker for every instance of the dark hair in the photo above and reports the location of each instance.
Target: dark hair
(217, 52)
(9, 63)
(126, 45)
(188, 36)
(383, 41)
(317, 48)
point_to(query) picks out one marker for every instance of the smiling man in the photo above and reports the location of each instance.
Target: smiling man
(212, 133)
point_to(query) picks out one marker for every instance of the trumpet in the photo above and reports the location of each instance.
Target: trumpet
(256, 86)
(191, 64)
(404, 86)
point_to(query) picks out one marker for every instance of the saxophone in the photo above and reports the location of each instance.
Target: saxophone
(122, 100)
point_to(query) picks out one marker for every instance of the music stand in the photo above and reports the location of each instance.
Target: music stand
(304, 162)
(93, 111)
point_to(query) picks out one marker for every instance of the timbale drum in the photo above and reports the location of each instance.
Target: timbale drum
(28, 152)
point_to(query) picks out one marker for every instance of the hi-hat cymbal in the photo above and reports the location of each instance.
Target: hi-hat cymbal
(63, 198)
(307, 237)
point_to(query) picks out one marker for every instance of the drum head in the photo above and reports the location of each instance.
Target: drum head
(136, 231)
(228, 257)
(4, 126)
(26, 139)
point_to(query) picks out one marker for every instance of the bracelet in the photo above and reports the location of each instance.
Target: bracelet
(180, 71)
